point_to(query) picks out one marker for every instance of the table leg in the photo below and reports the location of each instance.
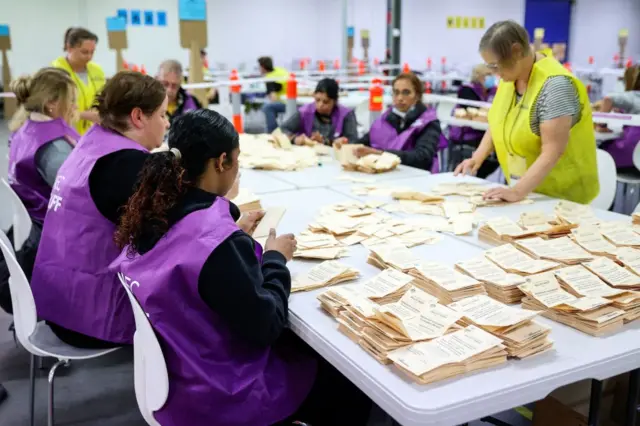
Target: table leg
(632, 398)
(594, 403)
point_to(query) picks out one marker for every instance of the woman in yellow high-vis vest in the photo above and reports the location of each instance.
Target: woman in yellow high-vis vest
(540, 123)
(79, 45)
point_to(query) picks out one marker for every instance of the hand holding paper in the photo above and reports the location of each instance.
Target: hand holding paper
(285, 244)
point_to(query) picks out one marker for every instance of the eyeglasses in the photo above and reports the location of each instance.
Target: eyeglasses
(493, 66)
(404, 92)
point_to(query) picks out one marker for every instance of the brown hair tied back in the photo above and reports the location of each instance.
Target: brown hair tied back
(508, 40)
(74, 36)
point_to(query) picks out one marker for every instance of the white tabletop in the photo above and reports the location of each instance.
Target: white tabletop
(576, 356)
(325, 175)
(259, 182)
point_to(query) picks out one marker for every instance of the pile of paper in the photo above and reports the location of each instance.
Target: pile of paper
(422, 197)
(635, 218)
(614, 274)
(521, 336)
(514, 261)
(395, 256)
(264, 152)
(502, 229)
(371, 163)
(325, 274)
(579, 281)
(593, 315)
(246, 201)
(576, 214)
(590, 239)
(464, 189)
(444, 282)
(378, 189)
(480, 201)
(453, 354)
(561, 250)
(499, 284)
(620, 234)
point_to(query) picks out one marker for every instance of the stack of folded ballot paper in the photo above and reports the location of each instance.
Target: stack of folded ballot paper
(463, 189)
(593, 315)
(391, 255)
(614, 274)
(423, 197)
(590, 239)
(514, 261)
(561, 250)
(274, 152)
(444, 282)
(521, 336)
(325, 274)
(247, 201)
(451, 355)
(576, 214)
(502, 229)
(499, 284)
(620, 234)
(371, 163)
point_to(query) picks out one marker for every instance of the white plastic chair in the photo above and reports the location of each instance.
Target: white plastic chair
(21, 219)
(36, 337)
(636, 156)
(151, 379)
(607, 175)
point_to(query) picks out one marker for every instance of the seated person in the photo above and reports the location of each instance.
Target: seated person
(84, 303)
(465, 140)
(170, 74)
(275, 91)
(324, 121)
(232, 361)
(409, 129)
(627, 102)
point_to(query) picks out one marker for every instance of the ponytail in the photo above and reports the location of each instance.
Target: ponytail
(145, 218)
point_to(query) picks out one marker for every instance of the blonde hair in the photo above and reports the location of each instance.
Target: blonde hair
(34, 93)
(632, 78)
(508, 40)
(479, 72)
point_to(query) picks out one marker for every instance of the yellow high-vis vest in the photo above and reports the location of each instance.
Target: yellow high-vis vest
(87, 92)
(575, 175)
(282, 75)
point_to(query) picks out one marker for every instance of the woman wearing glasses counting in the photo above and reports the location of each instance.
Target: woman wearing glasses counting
(540, 123)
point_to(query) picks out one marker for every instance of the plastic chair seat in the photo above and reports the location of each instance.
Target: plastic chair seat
(45, 340)
(628, 178)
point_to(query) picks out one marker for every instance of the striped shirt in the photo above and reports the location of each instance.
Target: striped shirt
(558, 98)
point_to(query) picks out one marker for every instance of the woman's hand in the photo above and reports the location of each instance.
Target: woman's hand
(316, 136)
(300, 140)
(510, 195)
(469, 166)
(284, 244)
(249, 221)
(337, 143)
(361, 151)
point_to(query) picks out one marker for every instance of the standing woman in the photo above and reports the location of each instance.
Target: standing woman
(409, 129)
(81, 300)
(540, 123)
(324, 120)
(80, 45)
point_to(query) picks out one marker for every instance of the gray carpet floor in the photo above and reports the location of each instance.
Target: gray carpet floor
(89, 393)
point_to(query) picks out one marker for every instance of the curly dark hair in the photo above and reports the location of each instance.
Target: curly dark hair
(199, 136)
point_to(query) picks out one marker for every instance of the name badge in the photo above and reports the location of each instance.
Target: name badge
(336, 135)
(417, 123)
(517, 168)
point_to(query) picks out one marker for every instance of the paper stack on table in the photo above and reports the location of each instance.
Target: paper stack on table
(499, 230)
(590, 239)
(395, 256)
(444, 282)
(450, 355)
(247, 201)
(423, 197)
(514, 261)
(579, 281)
(464, 189)
(614, 274)
(576, 214)
(561, 250)
(593, 315)
(499, 284)
(480, 201)
(521, 336)
(263, 152)
(371, 163)
(620, 234)
(323, 275)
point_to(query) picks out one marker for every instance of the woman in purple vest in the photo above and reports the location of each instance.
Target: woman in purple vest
(74, 292)
(216, 300)
(465, 140)
(42, 137)
(409, 129)
(324, 120)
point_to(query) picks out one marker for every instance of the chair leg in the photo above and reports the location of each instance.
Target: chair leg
(32, 390)
(52, 375)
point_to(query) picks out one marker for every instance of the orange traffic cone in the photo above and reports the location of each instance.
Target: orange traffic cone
(143, 70)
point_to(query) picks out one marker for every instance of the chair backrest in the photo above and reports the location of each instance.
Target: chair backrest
(25, 315)
(607, 175)
(21, 219)
(151, 379)
(636, 156)
(7, 242)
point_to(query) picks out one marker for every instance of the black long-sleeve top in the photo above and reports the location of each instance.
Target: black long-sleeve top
(426, 147)
(252, 298)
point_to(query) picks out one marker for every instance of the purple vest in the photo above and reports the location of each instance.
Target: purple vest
(466, 134)
(383, 135)
(215, 378)
(308, 112)
(622, 148)
(189, 104)
(71, 283)
(23, 173)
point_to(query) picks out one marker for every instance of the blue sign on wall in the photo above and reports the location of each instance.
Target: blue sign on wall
(116, 23)
(122, 13)
(135, 17)
(192, 10)
(148, 17)
(161, 18)
(351, 32)
(4, 31)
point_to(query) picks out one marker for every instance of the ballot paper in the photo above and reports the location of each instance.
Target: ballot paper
(574, 213)
(394, 256)
(562, 250)
(630, 258)
(499, 284)
(591, 239)
(247, 201)
(582, 282)
(371, 163)
(465, 189)
(619, 234)
(535, 218)
(265, 152)
(423, 197)
(281, 140)
(545, 289)
(325, 274)
(513, 260)
(387, 284)
(270, 220)
(613, 274)
(444, 282)
(335, 299)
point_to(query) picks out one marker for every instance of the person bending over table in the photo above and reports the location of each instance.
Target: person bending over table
(170, 74)
(540, 123)
(231, 361)
(409, 129)
(275, 90)
(324, 120)
(80, 45)
(84, 303)
(627, 102)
